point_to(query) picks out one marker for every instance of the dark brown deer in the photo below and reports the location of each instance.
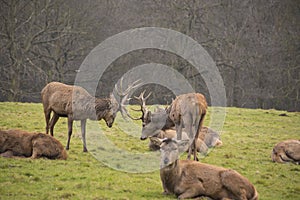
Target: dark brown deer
(190, 179)
(76, 103)
(186, 110)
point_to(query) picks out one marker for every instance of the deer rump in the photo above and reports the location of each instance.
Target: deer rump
(17, 143)
(188, 110)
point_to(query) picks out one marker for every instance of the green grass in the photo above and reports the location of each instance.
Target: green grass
(248, 137)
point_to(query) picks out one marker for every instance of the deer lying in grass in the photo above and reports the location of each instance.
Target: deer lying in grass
(201, 147)
(287, 151)
(208, 138)
(189, 179)
(187, 109)
(76, 103)
(17, 143)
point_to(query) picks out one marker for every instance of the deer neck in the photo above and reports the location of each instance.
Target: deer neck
(170, 175)
(169, 123)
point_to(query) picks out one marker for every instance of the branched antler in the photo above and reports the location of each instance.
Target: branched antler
(142, 102)
(133, 85)
(124, 95)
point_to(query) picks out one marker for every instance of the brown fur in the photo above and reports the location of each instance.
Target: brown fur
(286, 151)
(210, 137)
(187, 110)
(75, 103)
(190, 179)
(171, 133)
(190, 110)
(207, 139)
(17, 143)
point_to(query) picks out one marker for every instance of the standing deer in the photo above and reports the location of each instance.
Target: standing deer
(186, 110)
(76, 103)
(190, 179)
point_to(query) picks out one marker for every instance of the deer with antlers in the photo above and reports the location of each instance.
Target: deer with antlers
(187, 110)
(76, 103)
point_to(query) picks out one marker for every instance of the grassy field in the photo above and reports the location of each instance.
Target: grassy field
(248, 137)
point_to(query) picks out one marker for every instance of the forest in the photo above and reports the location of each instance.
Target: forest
(254, 44)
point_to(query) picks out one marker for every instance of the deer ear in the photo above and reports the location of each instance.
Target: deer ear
(183, 145)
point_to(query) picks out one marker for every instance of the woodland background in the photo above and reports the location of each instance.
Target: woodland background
(255, 44)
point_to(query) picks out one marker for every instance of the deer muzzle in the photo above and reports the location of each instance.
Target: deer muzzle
(143, 138)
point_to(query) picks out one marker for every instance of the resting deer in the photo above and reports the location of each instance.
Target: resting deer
(187, 109)
(190, 179)
(76, 103)
(287, 151)
(208, 138)
(18, 143)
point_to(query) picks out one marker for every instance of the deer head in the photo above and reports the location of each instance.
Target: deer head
(115, 106)
(152, 122)
(170, 149)
(155, 122)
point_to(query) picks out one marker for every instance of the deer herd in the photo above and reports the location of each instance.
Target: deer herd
(172, 130)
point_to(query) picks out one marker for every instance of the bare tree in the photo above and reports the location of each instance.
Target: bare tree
(39, 40)
(255, 44)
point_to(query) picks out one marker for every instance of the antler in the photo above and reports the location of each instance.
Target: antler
(133, 85)
(142, 101)
(124, 95)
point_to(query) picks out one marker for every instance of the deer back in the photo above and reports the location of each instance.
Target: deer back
(185, 104)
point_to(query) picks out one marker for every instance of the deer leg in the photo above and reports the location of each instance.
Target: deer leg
(195, 134)
(83, 126)
(52, 123)
(70, 126)
(189, 129)
(192, 192)
(197, 130)
(190, 152)
(195, 150)
(34, 154)
(47, 118)
(187, 195)
(165, 192)
(192, 149)
(178, 127)
(7, 154)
